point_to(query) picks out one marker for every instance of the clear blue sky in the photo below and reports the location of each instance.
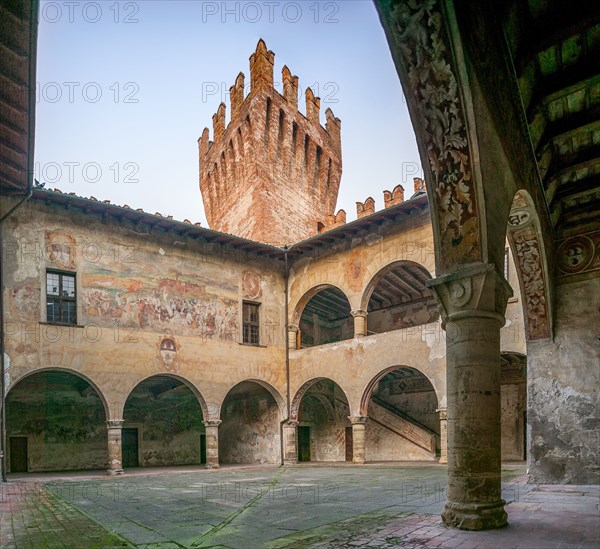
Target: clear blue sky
(125, 89)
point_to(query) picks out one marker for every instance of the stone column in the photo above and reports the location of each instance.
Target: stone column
(443, 435)
(360, 322)
(473, 301)
(290, 442)
(115, 447)
(358, 438)
(292, 336)
(212, 443)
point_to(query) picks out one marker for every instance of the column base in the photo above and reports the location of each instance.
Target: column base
(475, 516)
(290, 462)
(443, 461)
(115, 472)
(358, 461)
(212, 466)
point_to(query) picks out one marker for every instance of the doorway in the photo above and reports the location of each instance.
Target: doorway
(304, 443)
(202, 449)
(130, 447)
(349, 444)
(18, 454)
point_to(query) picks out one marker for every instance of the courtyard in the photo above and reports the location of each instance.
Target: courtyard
(375, 505)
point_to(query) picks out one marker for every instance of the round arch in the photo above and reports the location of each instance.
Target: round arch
(279, 400)
(307, 296)
(378, 276)
(527, 245)
(203, 405)
(302, 390)
(56, 420)
(368, 390)
(84, 377)
(329, 411)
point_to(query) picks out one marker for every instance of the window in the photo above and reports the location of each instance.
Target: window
(61, 304)
(251, 323)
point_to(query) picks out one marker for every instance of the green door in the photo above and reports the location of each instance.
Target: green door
(303, 443)
(130, 448)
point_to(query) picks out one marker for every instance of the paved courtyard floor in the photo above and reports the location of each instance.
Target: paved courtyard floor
(295, 507)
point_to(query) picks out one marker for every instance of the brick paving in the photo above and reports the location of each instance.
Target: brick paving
(33, 517)
(298, 507)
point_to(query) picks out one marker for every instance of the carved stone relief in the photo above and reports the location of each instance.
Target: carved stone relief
(424, 46)
(524, 234)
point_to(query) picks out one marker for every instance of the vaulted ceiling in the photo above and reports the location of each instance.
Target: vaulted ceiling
(401, 283)
(538, 62)
(556, 54)
(330, 304)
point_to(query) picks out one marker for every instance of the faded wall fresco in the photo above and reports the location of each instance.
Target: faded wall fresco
(324, 409)
(249, 432)
(170, 420)
(402, 316)
(190, 304)
(63, 420)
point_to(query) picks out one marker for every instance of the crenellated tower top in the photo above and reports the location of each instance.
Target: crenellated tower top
(271, 174)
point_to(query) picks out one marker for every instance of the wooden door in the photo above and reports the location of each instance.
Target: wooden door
(349, 447)
(202, 448)
(303, 443)
(130, 447)
(18, 454)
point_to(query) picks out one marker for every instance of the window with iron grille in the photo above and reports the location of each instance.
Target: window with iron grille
(61, 302)
(251, 323)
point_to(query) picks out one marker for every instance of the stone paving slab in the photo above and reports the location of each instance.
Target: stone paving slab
(294, 507)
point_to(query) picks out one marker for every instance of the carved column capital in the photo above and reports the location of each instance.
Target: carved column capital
(358, 420)
(291, 423)
(115, 424)
(360, 322)
(292, 328)
(212, 422)
(442, 414)
(473, 292)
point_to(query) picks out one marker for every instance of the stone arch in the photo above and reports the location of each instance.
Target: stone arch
(527, 245)
(60, 418)
(297, 399)
(68, 371)
(251, 415)
(325, 403)
(430, 63)
(206, 409)
(308, 295)
(368, 390)
(279, 400)
(323, 315)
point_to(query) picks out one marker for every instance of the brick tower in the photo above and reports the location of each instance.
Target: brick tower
(272, 174)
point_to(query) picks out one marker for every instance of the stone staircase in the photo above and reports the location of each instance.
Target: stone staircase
(401, 424)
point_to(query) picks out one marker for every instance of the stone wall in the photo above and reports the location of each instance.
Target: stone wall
(325, 410)
(563, 380)
(64, 424)
(149, 303)
(170, 424)
(250, 428)
(513, 399)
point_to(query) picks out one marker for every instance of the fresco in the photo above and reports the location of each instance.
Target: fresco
(153, 301)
